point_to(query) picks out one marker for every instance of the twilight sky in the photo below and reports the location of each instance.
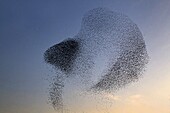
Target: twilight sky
(29, 27)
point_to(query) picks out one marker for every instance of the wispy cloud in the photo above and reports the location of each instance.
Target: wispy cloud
(136, 98)
(113, 97)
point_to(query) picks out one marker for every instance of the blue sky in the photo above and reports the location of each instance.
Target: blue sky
(29, 27)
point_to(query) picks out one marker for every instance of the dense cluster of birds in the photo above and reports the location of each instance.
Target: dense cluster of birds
(107, 37)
